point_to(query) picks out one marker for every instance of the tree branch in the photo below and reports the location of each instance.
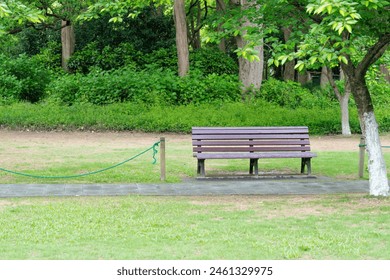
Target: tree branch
(373, 54)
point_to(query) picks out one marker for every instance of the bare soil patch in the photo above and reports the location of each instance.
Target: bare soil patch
(137, 139)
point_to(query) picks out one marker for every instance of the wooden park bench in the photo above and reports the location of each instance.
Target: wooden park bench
(251, 143)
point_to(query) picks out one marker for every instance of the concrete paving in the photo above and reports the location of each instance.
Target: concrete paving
(193, 187)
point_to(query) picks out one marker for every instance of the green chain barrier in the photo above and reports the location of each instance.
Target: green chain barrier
(154, 148)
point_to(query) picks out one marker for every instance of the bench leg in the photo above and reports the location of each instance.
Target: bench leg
(306, 162)
(201, 171)
(253, 164)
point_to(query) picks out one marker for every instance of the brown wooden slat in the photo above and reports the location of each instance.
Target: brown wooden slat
(247, 127)
(250, 149)
(255, 155)
(250, 131)
(246, 142)
(248, 136)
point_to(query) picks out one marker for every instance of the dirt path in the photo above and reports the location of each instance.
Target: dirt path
(124, 139)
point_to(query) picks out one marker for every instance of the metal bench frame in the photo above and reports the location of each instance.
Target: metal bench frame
(251, 143)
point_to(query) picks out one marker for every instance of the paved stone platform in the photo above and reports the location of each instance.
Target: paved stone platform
(193, 187)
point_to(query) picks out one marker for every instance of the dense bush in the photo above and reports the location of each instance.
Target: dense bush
(10, 87)
(380, 92)
(164, 58)
(23, 78)
(149, 87)
(292, 95)
(213, 61)
(106, 58)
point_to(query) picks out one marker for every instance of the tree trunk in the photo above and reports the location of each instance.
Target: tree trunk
(345, 127)
(324, 81)
(250, 72)
(288, 67)
(342, 98)
(68, 42)
(379, 185)
(181, 37)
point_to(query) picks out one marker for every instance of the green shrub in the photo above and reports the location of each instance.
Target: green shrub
(164, 58)
(380, 93)
(65, 89)
(162, 118)
(197, 89)
(292, 95)
(10, 87)
(213, 61)
(31, 76)
(50, 56)
(107, 58)
(148, 86)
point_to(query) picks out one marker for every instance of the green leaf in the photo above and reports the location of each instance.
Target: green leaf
(313, 60)
(343, 59)
(300, 65)
(348, 27)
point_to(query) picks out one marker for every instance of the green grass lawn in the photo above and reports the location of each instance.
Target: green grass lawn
(216, 227)
(70, 157)
(180, 165)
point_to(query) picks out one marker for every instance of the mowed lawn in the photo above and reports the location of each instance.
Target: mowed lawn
(348, 226)
(68, 154)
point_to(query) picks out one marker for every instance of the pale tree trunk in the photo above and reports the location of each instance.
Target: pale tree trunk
(68, 42)
(342, 98)
(379, 184)
(288, 70)
(181, 37)
(250, 72)
(324, 81)
(344, 104)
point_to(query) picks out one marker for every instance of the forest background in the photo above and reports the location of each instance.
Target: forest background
(114, 65)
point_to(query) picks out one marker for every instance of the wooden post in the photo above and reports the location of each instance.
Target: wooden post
(162, 159)
(362, 151)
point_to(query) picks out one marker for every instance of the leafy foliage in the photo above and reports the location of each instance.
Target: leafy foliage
(292, 95)
(150, 30)
(106, 59)
(147, 86)
(24, 78)
(213, 61)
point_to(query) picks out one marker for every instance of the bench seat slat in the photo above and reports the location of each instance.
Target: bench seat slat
(255, 155)
(250, 149)
(244, 142)
(248, 130)
(249, 136)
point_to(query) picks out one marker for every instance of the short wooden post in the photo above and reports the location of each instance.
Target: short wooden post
(162, 159)
(362, 151)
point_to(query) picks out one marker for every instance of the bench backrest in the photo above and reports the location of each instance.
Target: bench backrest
(250, 139)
